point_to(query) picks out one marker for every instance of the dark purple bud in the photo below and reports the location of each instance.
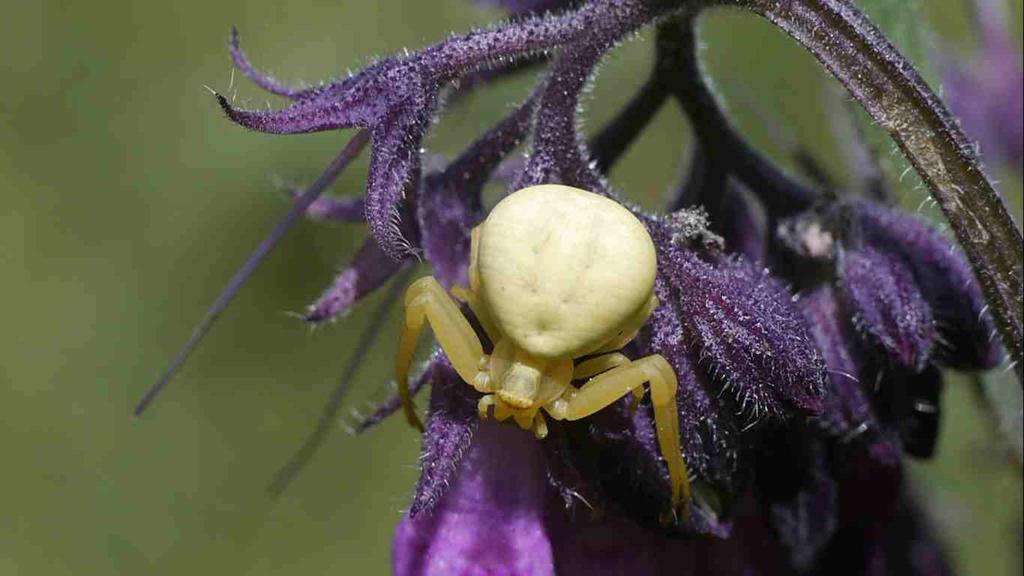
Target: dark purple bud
(369, 269)
(492, 519)
(869, 497)
(967, 337)
(880, 292)
(745, 330)
(910, 547)
(612, 461)
(451, 427)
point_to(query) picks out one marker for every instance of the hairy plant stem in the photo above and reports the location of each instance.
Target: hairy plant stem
(890, 90)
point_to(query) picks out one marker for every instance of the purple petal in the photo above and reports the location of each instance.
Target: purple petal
(369, 269)
(566, 475)
(887, 305)
(945, 279)
(492, 519)
(745, 327)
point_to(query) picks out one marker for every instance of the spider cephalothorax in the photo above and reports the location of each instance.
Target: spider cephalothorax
(560, 280)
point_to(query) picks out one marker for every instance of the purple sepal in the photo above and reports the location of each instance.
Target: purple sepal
(395, 99)
(709, 432)
(967, 337)
(451, 426)
(745, 330)
(369, 269)
(880, 292)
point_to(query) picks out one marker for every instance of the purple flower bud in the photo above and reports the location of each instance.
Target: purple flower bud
(887, 305)
(745, 330)
(966, 333)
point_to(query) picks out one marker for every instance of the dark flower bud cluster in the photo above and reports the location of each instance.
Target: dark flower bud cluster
(806, 327)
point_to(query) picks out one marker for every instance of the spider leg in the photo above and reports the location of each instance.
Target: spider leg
(604, 389)
(426, 301)
(604, 363)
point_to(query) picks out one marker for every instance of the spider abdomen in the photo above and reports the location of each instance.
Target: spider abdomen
(562, 269)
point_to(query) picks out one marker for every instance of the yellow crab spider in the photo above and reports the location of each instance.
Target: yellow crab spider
(560, 279)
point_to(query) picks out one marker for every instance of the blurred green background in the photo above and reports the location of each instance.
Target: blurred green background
(129, 202)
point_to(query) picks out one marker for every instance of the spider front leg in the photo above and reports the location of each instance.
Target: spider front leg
(426, 300)
(604, 389)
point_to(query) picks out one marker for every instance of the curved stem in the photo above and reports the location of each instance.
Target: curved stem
(893, 93)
